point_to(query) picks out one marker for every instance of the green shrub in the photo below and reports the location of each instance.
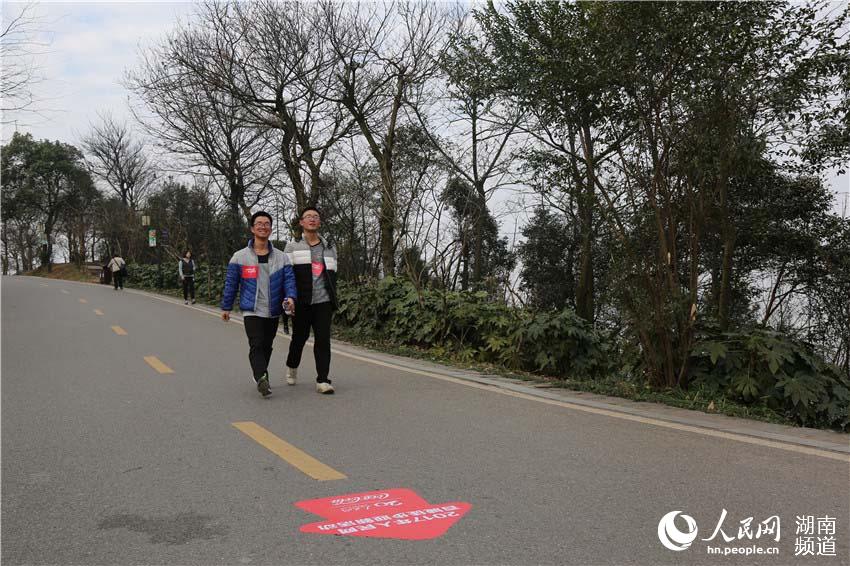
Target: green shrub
(473, 328)
(144, 276)
(762, 366)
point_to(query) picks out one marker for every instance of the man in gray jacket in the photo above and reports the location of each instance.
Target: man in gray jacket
(314, 264)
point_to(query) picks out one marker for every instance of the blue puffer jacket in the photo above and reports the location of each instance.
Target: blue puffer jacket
(242, 274)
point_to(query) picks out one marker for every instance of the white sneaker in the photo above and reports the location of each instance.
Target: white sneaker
(291, 376)
(324, 388)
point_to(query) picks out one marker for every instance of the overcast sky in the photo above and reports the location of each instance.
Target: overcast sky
(87, 49)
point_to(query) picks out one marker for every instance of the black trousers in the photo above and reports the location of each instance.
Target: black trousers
(188, 288)
(318, 317)
(261, 332)
(118, 279)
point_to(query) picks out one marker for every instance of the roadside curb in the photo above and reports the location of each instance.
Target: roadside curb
(812, 438)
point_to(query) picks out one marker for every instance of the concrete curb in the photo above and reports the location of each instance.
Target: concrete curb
(813, 438)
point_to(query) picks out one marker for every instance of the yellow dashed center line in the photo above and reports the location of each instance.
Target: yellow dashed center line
(154, 362)
(119, 331)
(98, 312)
(289, 453)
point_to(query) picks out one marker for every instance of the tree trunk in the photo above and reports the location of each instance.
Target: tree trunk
(464, 258)
(728, 236)
(387, 220)
(48, 235)
(5, 249)
(584, 290)
(478, 235)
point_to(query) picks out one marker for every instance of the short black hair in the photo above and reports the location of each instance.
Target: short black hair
(261, 213)
(308, 208)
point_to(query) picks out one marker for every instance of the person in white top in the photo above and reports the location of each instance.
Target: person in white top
(117, 265)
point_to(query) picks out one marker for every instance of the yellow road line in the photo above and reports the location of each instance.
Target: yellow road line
(289, 453)
(98, 312)
(119, 331)
(154, 362)
(82, 300)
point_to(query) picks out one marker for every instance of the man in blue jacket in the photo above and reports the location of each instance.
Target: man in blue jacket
(265, 280)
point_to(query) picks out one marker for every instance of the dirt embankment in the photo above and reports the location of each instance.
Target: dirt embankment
(89, 274)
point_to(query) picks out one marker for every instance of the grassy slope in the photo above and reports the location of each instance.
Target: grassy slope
(67, 271)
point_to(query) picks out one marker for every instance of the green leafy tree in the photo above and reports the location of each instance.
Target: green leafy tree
(669, 105)
(547, 255)
(43, 175)
(78, 219)
(469, 211)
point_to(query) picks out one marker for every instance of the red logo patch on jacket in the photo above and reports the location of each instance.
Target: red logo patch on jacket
(249, 272)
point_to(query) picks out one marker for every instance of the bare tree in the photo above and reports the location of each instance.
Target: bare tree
(201, 122)
(478, 123)
(266, 57)
(19, 72)
(116, 158)
(382, 53)
(282, 68)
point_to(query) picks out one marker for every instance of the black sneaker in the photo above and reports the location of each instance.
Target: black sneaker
(263, 385)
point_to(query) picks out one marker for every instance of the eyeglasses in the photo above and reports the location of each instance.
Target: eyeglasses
(310, 217)
(263, 225)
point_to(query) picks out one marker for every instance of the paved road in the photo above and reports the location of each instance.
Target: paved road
(105, 460)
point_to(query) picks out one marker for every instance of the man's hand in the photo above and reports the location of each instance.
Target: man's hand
(225, 316)
(289, 305)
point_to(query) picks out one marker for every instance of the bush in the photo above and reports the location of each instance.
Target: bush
(143, 276)
(473, 328)
(760, 365)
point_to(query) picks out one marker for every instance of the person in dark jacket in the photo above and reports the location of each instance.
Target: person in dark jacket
(314, 263)
(186, 269)
(265, 280)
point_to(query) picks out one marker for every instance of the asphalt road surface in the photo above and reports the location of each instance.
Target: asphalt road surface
(132, 433)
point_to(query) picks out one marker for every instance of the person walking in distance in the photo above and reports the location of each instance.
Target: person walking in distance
(186, 269)
(118, 267)
(314, 263)
(265, 280)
